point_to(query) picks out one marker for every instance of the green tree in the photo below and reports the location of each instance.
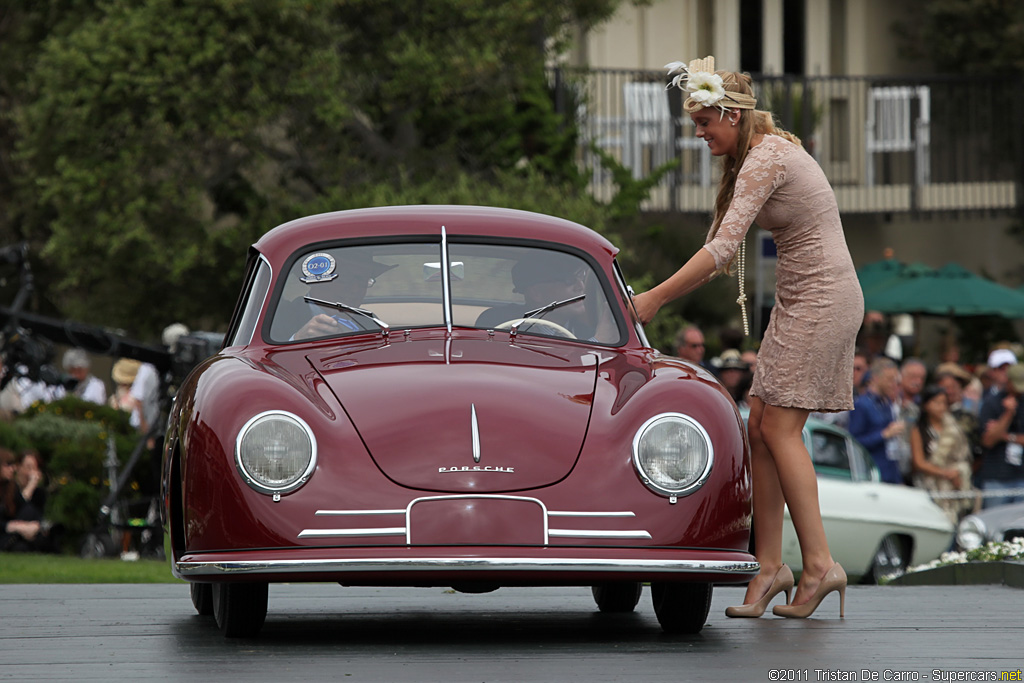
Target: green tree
(972, 37)
(966, 36)
(154, 140)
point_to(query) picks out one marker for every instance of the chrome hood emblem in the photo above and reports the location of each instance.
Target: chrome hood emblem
(474, 428)
(476, 432)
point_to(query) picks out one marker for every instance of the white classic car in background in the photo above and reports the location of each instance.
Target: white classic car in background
(998, 524)
(875, 530)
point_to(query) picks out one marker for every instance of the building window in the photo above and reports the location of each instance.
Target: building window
(751, 35)
(794, 43)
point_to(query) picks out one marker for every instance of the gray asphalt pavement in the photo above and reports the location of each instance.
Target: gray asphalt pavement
(324, 632)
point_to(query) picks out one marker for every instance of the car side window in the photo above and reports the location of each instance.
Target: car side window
(864, 467)
(259, 285)
(829, 455)
(626, 294)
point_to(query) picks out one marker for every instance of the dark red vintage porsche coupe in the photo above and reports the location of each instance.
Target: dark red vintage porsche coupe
(450, 396)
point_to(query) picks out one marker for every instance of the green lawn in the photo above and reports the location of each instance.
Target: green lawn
(32, 568)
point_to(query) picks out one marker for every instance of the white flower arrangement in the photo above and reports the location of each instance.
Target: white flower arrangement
(706, 88)
(996, 551)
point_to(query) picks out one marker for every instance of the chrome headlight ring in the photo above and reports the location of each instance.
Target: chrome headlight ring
(971, 533)
(275, 452)
(673, 454)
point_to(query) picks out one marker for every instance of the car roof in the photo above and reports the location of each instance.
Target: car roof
(427, 220)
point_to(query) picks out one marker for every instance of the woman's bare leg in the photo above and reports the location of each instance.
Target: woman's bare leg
(781, 431)
(768, 505)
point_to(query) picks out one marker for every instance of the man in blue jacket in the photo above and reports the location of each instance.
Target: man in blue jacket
(873, 422)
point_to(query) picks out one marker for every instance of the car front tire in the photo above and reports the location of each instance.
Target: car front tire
(202, 598)
(240, 608)
(681, 607)
(612, 598)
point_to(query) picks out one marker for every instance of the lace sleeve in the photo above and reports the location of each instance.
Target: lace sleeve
(762, 173)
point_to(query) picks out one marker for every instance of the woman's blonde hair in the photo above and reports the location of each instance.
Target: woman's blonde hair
(751, 122)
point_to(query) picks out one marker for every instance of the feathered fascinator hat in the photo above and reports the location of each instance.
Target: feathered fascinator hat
(705, 88)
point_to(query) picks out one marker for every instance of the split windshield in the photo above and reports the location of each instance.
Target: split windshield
(356, 289)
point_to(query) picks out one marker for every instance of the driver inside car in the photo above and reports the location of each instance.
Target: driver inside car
(544, 279)
(345, 280)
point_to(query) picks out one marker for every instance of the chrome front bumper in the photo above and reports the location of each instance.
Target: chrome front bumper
(546, 568)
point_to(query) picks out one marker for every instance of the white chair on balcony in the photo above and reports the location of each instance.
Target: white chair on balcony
(647, 131)
(891, 127)
(648, 126)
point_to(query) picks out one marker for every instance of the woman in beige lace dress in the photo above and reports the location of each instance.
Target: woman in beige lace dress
(806, 358)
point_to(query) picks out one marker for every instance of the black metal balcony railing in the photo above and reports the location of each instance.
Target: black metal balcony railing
(887, 145)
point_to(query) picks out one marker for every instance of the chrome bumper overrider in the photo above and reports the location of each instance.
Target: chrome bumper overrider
(553, 566)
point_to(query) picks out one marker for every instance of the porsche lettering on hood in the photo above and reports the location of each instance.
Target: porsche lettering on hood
(477, 468)
(500, 417)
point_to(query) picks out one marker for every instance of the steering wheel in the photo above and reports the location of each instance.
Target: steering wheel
(555, 327)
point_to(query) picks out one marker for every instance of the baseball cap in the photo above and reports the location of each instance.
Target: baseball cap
(1001, 357)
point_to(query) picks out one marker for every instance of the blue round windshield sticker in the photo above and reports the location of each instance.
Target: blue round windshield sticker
(318, 267)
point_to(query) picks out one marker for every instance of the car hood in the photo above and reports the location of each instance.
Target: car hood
(1002, 517)
(466, 416)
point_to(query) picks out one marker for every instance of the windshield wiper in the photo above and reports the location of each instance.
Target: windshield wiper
(547, 308)
(384, 327)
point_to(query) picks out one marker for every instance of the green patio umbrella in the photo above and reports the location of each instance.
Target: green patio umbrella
(889, 273)
(878, 272)
(951, 290)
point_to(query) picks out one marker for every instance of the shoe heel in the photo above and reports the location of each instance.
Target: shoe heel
(789, 595)
(842, 601)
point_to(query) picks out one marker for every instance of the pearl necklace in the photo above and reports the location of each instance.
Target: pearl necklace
(741, 267)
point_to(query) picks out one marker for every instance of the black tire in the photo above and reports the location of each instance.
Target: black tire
(240, 608)
(96, 546)
(681, 607)
(202, 598)
(617, 598)
(891, 559)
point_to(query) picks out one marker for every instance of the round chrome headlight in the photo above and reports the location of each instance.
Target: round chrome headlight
(673, 454)
(275, 452)
(970, 533)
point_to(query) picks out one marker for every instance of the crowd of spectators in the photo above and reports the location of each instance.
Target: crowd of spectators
(955, 429)
(136, 388)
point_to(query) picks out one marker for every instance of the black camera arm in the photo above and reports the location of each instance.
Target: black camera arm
(17, 326)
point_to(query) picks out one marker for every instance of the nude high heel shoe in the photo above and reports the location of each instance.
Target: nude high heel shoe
(834, 580)
(783, 582)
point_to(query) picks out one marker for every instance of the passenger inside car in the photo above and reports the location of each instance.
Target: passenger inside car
(543, 279)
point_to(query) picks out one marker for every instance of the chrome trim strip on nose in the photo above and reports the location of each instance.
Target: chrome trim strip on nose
(333, 513)
(330, 533)
(596, 533)
(566, 513)
(640, 534)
